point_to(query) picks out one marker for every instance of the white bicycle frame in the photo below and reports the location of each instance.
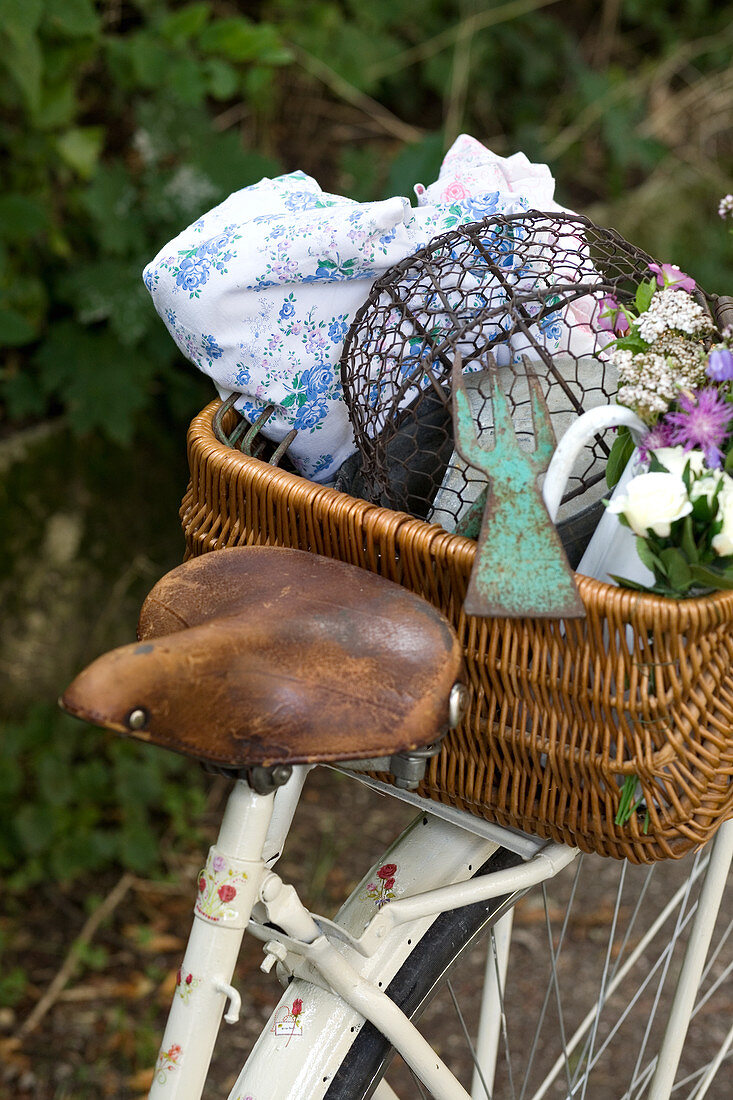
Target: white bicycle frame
(332, 967)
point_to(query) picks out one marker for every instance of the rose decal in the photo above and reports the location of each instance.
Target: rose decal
(218, 885)
(167, 1061)
(185, 984)
(382, 891)
(288, 1020)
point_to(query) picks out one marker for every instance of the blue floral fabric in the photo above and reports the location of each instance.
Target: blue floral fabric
(259, 293)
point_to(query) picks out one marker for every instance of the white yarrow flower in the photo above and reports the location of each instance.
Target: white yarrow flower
(672, 311)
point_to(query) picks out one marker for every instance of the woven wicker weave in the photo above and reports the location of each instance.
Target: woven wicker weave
(560, 713)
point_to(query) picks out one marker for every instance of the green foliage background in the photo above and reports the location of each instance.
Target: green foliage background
(122, 121)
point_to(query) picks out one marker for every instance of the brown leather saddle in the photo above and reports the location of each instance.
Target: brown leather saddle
(263, 656)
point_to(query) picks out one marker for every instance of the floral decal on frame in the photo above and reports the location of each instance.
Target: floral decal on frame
(288, 1021)
(382, 890)
(218, 885)
(185, 984)
(168, 1060)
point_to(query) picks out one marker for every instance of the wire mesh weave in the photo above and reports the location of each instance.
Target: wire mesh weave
(525, 288)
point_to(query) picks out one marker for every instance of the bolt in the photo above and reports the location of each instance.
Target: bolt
(457, 704)
(137, 718)
(274, 952)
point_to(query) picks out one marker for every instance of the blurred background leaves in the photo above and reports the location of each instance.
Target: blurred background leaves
(121, 122)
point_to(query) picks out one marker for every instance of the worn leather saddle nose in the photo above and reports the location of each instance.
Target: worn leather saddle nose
(262, 655)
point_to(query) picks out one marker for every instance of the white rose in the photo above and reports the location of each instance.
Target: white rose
(675, 459)
(653, 501)
(722, 543)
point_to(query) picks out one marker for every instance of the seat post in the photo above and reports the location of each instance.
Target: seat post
(226, 890)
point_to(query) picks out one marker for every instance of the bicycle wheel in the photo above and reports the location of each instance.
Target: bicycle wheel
(594, 958)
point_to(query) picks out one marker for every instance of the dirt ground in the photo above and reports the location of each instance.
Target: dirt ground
(89, 1027)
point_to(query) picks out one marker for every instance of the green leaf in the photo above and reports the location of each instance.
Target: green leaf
(703, 510)
(21, 217)
(149, 59)
(15, 329)
(688, 544)
(35, 827)
(181, 25)
(76, 18)
(24, 61)
(21, 395)
(185, 81)
(80, 148)
(58, 106)
(712, 579)
(420, 161)
(621, 451)
(644, 294)
(677, 568)
(101, 384)
(114, 205)
(626, 583)
(238, 39)
(647, 555)
(138, 846)
(627, 802)
(632, 343)
(21, 16)
(222, 79)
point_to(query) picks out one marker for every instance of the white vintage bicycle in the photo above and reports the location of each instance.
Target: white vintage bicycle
(338, 676)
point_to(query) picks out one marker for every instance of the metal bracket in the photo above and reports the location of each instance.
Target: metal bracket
(262, 780)
(235, 1001)
(244, 435)
(543, 865)
(407, 768)
(266, 780)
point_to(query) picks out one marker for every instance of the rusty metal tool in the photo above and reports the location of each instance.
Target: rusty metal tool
(520, 567)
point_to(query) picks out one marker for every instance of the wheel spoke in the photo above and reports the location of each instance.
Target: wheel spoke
(467, 1037)
(556, 987)
(548, 990)
(588, 1052)
(660, 984)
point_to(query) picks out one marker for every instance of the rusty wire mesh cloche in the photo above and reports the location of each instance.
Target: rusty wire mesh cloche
(526, 289)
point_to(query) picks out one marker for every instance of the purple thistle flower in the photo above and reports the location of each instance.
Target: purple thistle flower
(659, 436)
(702, 420)
(720, 365)
(669, 275)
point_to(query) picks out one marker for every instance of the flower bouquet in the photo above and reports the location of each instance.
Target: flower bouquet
(676, 373)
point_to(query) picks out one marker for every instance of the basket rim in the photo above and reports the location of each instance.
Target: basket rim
(625, 601)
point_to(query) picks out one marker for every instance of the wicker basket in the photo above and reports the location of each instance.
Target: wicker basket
(560, 713)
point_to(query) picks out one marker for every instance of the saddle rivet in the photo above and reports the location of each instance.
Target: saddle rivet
(136, 719)
(457, 704)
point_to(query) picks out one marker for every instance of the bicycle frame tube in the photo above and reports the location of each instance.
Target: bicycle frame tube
(237, 875)
(426, 855)
(227, 888)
